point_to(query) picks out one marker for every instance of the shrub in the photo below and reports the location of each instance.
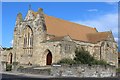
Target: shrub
(99, 62)
(8, 67)
(66, 61)
(102, 62)
(20, 67)
(15, 63)
(83, 57)
(118, 70)
(8, 48)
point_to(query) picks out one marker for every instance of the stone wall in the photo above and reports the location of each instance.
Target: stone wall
(1, 57)
(83, 71)
(34, 71)
(5, 55)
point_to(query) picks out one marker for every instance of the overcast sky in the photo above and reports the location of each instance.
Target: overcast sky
(101, 15)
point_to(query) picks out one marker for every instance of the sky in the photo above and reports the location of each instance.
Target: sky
(0, 23)
(59, 0)
(101, 15)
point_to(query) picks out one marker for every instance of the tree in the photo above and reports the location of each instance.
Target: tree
(83, 57)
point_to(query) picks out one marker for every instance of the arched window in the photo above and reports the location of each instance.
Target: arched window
(31, 40)
(10, 58)
(102, 49)
(107, 45)
(25, 40)
(28, 40)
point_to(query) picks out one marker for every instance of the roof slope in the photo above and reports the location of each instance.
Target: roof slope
(99, 36)
(60, 27)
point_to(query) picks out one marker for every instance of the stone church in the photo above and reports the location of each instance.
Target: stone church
(42, 40)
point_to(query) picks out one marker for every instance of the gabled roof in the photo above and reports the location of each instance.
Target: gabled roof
(99, 36)
(60, 28)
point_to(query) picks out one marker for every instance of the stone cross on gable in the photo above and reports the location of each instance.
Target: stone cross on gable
(29, 7)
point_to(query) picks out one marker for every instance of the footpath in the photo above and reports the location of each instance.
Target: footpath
(26, 75)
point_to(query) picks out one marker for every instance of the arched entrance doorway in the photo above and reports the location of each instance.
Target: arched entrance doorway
(49, 58)
(10, 58)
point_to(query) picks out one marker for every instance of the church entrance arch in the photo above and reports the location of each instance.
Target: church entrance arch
(49, 58)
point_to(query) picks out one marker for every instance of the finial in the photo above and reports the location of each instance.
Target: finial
(95, 29)
(40, 10)
(110, 31)
(29, 7)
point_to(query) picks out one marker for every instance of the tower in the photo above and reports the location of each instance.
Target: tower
(40, 26)
(19, 19)
(28, 35)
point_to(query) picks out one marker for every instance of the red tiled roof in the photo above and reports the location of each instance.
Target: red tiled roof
(59, 27)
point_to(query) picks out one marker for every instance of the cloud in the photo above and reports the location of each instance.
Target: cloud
(93, 10)
(112, 3)
(116, 39)
(102, 23)
(11, 43)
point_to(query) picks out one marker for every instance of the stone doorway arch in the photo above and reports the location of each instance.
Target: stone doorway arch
(49, 58)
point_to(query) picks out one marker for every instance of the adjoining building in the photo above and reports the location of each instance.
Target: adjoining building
(1, 49)
(42, 40)
(119, 59)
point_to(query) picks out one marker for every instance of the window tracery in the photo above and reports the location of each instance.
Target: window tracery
(28, 40)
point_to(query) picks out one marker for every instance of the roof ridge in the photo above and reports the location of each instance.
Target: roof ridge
(100, 32)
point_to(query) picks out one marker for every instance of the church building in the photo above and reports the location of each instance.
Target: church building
(40, 39)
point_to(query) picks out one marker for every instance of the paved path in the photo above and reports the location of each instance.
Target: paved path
(26, 75)
(21, 76)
